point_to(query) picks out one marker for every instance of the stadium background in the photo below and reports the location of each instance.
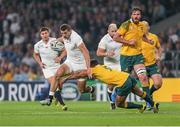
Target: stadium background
(19, 27)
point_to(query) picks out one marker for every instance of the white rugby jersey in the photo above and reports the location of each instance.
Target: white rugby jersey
(109, 44)
(48, 52)
(74, 54)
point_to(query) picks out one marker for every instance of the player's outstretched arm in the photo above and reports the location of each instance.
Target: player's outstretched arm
(85, 53)
(78, 74)
(74, 75)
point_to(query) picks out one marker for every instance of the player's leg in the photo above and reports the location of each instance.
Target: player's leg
(62, 74)
(81, 82)
(126, 63)
(154, 74)
(122, 93)
(54, 80)
(146, 97)
(112, 101)
(113, 96)
(134, 75)
(120, 102)
(141, 73)
(157, 80)
(51, 94)
(83, 88)
(58, 91)
(57, 94)
(143, 95)
(59, 99)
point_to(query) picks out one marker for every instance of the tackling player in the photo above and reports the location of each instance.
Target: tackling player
(124, 84)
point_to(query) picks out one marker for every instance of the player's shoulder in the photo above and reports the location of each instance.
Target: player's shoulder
(75, 36)
(142, 23)
(126, 24)
(37, 44)
(105, 37)
(153, 35)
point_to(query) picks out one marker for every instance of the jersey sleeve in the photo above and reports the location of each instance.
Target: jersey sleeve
(36, 48)
(78, 40)
(145, 29)
(157, 41)
(102, 44)
(123, 28)
(121, 31)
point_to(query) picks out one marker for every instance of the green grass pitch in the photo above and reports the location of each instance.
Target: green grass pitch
(85, 113)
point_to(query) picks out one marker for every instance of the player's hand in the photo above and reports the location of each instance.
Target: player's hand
(61, 39)
(89, 73)
(110, 53)
(42, 65)
(132, 42)
(57, 59)
(158, 60)
(150, 41)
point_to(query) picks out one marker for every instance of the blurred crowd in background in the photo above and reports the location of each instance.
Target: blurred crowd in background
(20, 21)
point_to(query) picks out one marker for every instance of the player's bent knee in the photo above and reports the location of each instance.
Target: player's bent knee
(158, 84)
(157, 81)
(81, 83)
(143, 79)
(141, 71)
(142, 74)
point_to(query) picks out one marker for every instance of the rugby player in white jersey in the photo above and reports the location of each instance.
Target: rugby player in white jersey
(109, 49)
(78, 59)
(47, 54)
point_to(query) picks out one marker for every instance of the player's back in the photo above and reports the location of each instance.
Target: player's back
(109, 76)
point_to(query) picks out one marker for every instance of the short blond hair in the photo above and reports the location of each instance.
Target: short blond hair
(112, 25)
